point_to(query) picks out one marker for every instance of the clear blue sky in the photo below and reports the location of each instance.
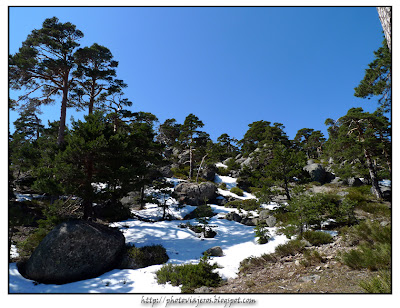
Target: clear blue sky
(228, 66)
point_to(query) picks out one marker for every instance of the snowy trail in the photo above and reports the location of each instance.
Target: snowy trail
(182, 245)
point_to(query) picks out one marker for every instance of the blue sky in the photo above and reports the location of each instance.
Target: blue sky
(229, 66)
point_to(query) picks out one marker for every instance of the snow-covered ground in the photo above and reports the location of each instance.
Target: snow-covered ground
(183, 246)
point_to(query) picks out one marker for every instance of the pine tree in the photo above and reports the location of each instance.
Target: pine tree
(168, 132)
(378, 78)
(190, 136)
(45, 61)
(95, 76)
(361, 137)
(283, 164)
(310, 141)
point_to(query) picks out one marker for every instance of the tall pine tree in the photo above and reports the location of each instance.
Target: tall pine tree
(45, 61)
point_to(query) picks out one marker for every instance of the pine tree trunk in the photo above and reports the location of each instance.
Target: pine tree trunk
(142, 204)
(61, 131)
(91, 102)
(374, 180)
(287, 189)
(190, 162)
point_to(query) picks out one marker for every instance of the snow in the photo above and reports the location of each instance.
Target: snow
(221, 165)
(230, 183)
(13, 251)
(182, 245)
(387, 183)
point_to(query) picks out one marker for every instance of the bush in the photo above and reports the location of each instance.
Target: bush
(311, 257)
(288, 230)
(360, 194)
(222, 171)
(374, 249)
(190, 276)
(234, 204)
(317, 238)
(368, 232)
(250, 205)
(232, 164)
(376, 209)
(237, 191)
(200, 211)
(382, 283)
(222, 186)
(250, 262)
(261, 231)
(246, 205)
(372, 258)
(290, 248)
(26, 247)
(148, 255)
(181, 173)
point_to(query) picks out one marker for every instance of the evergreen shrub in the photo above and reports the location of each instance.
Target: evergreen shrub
(317, 238)
(374, 248)
(237, 191)
(381, 283)
(262, 233)
(148, 255)
(222, 186)
(190, 276)
(290, 248)
(222, 171)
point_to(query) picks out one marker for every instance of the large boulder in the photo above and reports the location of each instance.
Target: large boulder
(271, 221)
(208, 173)
(318, 173)
(264, 214)
(195, 194)
(75, 250)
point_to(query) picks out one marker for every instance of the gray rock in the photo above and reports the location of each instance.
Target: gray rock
(130, 199)
(215, 251)
(166, 171)
(202, 289)
(386, 191)
(183, 157)
(195, 194)
(316, 171)
(271, 221)
(208, 173)
(264, 214)
(75, 250)
(248, 221)
(232, 216)
(247, 162)
(240, 160)
(354, 182)
(238, 156)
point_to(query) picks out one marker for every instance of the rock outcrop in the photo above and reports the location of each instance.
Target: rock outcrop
(75, 250)
(195, 194)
